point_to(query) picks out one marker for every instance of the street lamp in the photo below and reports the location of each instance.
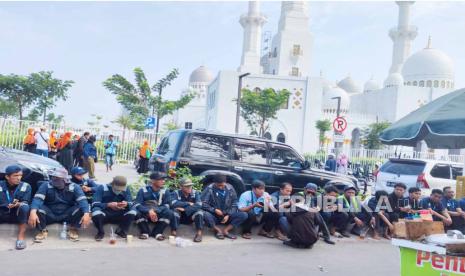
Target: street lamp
(337, 145)
(238, 103)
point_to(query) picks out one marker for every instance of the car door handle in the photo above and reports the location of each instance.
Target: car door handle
(238, 168)
(278, 172)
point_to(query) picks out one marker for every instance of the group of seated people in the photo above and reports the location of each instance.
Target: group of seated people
(296, 219)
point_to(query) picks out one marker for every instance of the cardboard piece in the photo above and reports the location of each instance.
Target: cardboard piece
(418, 229)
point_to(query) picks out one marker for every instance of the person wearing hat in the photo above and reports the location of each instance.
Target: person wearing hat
(88, 185)
(58, 201)
(187, 206)
(311, 199)
(253, 203)
(219, 200)
(351, 212)
(15, 197)
(112, 203)
(153, 206)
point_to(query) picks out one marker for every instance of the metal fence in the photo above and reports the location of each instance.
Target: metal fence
(12, 133)
(368, 158)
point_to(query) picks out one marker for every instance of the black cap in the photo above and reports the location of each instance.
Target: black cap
(157, 176)
(219, 178)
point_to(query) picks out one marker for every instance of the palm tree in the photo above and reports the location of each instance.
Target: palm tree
(323, 126)
(126, 122)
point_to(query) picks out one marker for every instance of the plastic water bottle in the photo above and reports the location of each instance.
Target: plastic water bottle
(64, 232)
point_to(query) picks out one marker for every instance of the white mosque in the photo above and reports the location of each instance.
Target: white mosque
(413, 80)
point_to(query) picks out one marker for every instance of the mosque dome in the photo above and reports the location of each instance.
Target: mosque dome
(201, 74)
(429, 66)
(371, 85)
(330, 104)
(394, 80)
(349, 85)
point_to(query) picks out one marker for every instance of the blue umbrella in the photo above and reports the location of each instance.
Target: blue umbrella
(440, 123)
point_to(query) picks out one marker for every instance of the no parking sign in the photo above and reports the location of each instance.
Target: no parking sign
(339, 124)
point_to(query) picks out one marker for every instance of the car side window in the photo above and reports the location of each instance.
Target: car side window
(210, 146)
(168, 144)
(250, 152)
(284, 157)
(456, 171)
(441, 171)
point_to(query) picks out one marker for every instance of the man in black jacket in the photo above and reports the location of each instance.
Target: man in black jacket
(79, 150)
(396, 201)
(219, 200)
(303, 232)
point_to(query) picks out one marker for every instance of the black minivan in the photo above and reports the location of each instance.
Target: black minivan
(241, 158)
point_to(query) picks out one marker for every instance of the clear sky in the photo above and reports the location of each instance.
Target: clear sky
(89, 41)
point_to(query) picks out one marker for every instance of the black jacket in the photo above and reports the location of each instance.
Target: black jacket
(303, 228)
(211, 201)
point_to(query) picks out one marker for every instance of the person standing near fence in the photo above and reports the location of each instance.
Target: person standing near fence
(42, 142)
(110, 151)
(90, 156)
(65, 151)
(29, 142)
(52, 141)
(79, 151)
(145, 153)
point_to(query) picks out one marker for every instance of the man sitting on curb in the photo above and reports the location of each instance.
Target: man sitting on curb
(88, 186)
(219, 200)
(152, 203)
(187, 206)
(303, 232)
(15, 197)
(434, 205)
(58, 201)
(112, 203)
(253, 203)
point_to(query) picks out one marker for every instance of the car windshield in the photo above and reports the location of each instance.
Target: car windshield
(168, 144)
(403, 168)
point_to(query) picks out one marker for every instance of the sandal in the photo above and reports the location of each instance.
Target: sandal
(247, 236)
(143, 236)
(219, 236)
(266, 234)
(230, 236)
(198, 238)
(20, 244)
(160, 237)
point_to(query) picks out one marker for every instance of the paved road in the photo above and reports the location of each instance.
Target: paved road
(119, 169)
(256, 257)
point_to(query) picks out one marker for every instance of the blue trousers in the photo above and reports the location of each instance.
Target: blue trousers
(235, 219)
(42, 152)
(72, 216)
(18, 215)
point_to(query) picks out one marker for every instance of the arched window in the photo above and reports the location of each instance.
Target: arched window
(436, 84)
(281, 138)
(267, 136)
(415, 83)
(422, 84)
(356, 138)
(429, 83)
(443, 84)
(451, 84)
(409, 83)
(448, 84)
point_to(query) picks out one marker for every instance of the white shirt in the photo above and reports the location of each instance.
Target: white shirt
(42, 144)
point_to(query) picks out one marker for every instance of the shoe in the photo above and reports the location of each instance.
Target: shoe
(73, 235)
(99, 236)
(345, 234)
(247, 236)
(41, 236)
(265, 234)
(143, 236)
(328, 241)
(121, 233)
(20, 244)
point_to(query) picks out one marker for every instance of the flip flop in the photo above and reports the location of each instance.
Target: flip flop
(219, 236)
(143, 236)
(247, 236)
(230, 236)
(198, 238)
(160, 237)
(20, 244)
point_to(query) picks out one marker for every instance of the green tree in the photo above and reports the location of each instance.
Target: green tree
(142, 100)
(49, 89)
(96, 120)
(323, 126)
(370, 135)
(7, 109)
(257, 108)
(126, 122)
(55, 119)
(18, 90)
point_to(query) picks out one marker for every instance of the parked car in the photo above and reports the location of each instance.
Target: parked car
(424, 174)
(241, 158)
(35, 167)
